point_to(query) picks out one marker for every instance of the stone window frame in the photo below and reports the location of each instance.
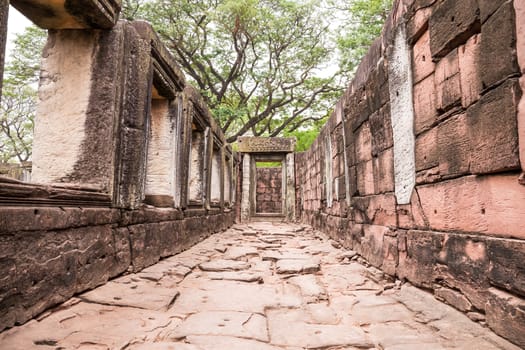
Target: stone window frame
(216, 149)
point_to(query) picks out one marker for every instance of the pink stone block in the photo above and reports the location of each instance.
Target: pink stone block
(427, 153)
(365, 178)
(422, 58)
(419, 22)
(384, 171)
(469, 61)
(424, 104)
(454, 146)
(447, 67)
(363, 145)
(411, 216)
(491, 205)
(447, 81)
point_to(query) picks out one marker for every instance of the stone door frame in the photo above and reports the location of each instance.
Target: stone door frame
(262, 149)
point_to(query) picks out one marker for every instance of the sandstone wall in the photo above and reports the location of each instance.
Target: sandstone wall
(269, 190)
(48, 254)
(419, 169)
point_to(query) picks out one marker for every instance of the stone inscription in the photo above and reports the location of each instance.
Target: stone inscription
(266, 144)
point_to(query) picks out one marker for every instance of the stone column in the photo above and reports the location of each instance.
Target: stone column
(246, 188)
(290, 187)
(4, 11)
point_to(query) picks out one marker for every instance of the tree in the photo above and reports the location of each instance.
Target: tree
(16, 123)
(19, 94)
(361, 25)
(260, 64)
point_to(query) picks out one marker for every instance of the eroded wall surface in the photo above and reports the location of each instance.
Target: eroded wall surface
(445, 210)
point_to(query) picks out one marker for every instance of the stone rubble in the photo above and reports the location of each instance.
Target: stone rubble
(263, 286)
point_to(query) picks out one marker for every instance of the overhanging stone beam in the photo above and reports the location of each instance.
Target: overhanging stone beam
(70, 14)
(266, 144)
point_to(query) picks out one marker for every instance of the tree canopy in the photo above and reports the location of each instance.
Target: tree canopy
(266, 67)
(19, 94)
(260, 64)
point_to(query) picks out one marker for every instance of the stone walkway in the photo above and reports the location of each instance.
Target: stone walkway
(261, 286)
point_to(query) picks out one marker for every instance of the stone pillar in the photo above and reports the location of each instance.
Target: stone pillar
(4, 11)
(519, 7)
(402, 114)
(290, 187)
(246, 188)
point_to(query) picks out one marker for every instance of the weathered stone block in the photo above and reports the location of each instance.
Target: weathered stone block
(352, 181)
(425, 108)
(498, 47)
(390, 253)
(506, 316)
(427, 151)
(488, 205)
(448, 82)
(422, 62)
(375, 210)
(145, 245)
(463, 261)
(95, 256)
(384, 172)
(488, 7)
(381, 130)
(122, 252)
(417, 256)
(417, 25)
(454, 146)
(17, 219)
(506, 264)
(363, 144)
(454, 298)
(411, 216)
(365, 178)
(356, 109)
(493, 130)
(451, 24)
(469, 66)
(372, 244)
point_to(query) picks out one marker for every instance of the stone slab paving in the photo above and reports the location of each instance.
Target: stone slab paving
(263, 286)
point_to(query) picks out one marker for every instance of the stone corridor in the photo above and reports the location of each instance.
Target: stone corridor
(258, 286)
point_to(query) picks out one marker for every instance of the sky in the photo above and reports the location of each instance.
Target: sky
(16, 24)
